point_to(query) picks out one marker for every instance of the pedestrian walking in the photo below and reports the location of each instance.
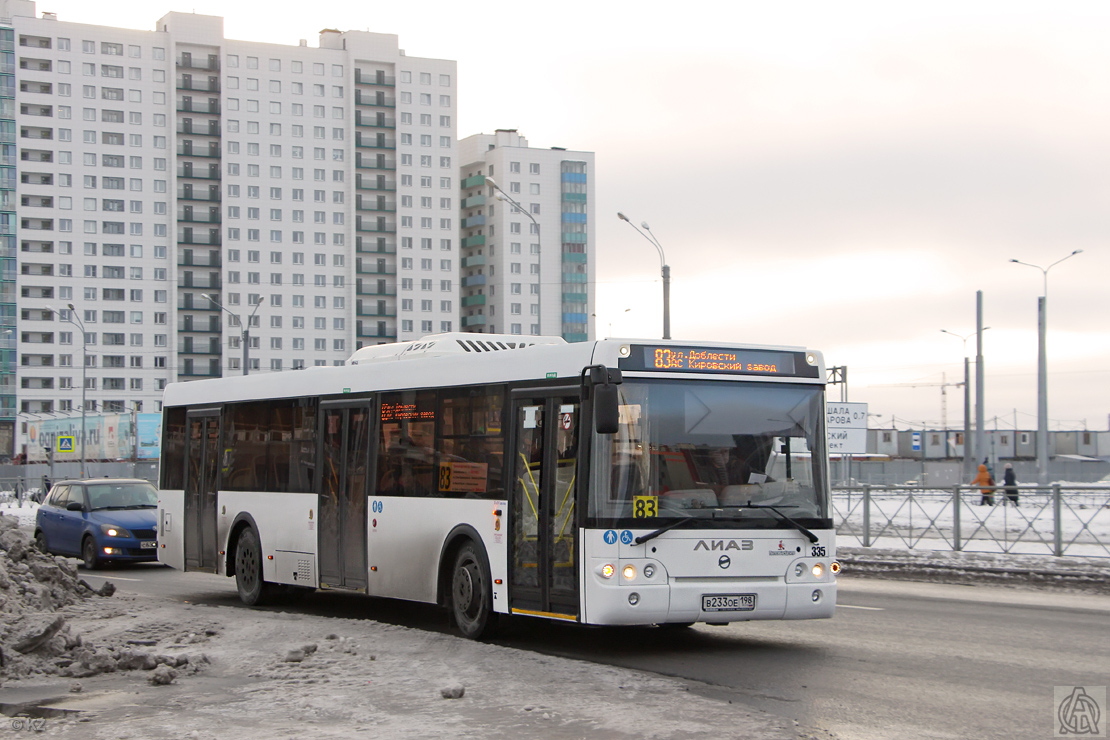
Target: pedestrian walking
(1009, 484)
(986, 486)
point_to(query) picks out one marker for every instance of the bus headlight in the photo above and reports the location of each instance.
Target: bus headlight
(629, 572)
(608, 570)
(818, 570)
(800, 570)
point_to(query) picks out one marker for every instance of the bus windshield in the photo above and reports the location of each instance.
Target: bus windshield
(710, 450)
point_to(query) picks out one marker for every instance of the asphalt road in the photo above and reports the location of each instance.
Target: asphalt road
(900, 660)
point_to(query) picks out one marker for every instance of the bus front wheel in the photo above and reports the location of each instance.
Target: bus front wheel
(248, 569)
(471, 601)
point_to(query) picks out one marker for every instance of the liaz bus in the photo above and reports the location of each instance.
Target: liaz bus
(613, 482)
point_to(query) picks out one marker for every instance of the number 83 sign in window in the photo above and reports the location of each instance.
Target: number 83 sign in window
(645, 506)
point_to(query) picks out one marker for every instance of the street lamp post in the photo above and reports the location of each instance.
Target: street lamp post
(1042, 370)
(969, 454)
(664, 268)
(72, 319)
(244, 327)
(506, 198)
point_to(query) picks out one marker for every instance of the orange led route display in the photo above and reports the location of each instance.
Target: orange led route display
(712, 360)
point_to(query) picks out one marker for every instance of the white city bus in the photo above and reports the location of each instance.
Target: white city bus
(615, 482)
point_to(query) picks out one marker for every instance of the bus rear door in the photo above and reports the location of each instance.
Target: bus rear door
(202, 468)
(345, 435)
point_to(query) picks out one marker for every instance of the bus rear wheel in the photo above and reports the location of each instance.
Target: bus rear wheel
(471, 595)
(248, 570)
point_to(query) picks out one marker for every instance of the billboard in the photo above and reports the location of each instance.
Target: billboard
(107, 437)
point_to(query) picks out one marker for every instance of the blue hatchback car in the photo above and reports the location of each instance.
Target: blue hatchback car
(99, 520)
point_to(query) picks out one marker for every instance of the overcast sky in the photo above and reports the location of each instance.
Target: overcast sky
(843, 176)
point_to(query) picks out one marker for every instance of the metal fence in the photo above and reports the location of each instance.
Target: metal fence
(1050, 520)
(29, 483)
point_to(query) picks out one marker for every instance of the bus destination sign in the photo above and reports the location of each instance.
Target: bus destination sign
(731, 361)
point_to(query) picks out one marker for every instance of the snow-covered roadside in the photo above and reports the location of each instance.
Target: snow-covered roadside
(85, 665)
(280, 675)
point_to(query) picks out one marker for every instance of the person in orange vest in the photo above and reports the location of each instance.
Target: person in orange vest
(986, 486)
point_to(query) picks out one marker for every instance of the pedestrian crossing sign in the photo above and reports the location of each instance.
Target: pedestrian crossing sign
(66, 443)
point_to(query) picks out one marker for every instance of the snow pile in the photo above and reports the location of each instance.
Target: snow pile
(37, 593)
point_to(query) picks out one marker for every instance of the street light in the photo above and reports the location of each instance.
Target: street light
(72, 319)
(968, 454)
(244, 327)
(1042, 370)
(506, 198)
(664, 268)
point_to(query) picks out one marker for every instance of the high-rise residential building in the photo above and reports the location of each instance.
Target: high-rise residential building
(158, 188)
(527, 238)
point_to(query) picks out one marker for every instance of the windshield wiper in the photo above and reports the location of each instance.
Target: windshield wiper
(812, 537)
(665, 528)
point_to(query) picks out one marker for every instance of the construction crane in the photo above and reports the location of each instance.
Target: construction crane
(944, 386)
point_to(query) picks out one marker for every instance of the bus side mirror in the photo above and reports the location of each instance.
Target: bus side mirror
(606, 412)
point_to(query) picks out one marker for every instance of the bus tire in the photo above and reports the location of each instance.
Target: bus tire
(253, 591)
(471, 593)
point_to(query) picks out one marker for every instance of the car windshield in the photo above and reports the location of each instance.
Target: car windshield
(122, 496)
(711, 450)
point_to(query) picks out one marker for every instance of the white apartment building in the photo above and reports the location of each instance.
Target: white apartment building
(170, 185)
(526, 270)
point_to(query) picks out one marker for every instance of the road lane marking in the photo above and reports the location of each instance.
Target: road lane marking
(866, 608)
(113, 578)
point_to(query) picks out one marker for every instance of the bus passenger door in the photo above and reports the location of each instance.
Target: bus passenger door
(345, 434)
(544, 550)
(202, 468)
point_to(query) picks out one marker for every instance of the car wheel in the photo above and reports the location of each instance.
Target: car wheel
(89, 554)
(248, 570)
(471, 595)
(40, 542)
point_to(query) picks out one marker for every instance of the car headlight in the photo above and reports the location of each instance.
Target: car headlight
(113, 530)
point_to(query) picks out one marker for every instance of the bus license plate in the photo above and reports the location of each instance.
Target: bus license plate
(148, 544)
(728, 603)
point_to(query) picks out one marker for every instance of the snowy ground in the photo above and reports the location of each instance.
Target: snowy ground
(257, 675)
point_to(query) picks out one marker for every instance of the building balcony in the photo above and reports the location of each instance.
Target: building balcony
(367, 163)
(473, 300)
(575, 257)
(198, 218)
(370, 330)
(199, 131)
(191, 106)
(201, 196)
(476, 261)
(197, 86)
(378, 288)
(374, 142)
(374, 121)
(380, 245)
(366, 184)
(198, 174)
(472, 280)
(374, 78)
(473, 182)
(190, 328)
(201, 240)
(380, 226)
(366, 268)
(373, 206)
(199, 282)
(474, 201)
(188, 151)
(187, 259)
(377, 100)
(187, 62)
(469, 321)
(362, 310)
(473, 222)
(474, 241)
